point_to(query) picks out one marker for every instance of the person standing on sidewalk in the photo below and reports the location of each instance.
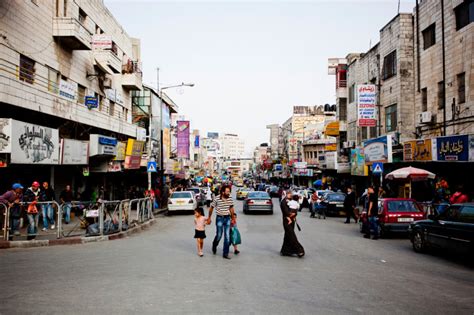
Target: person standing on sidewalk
(349, 205)
(31, 196)
(66, 198)
(47, 195)
(224, 206)
(372, 214)
(12, 199)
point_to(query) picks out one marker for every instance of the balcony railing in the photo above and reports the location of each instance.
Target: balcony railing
(71, 33)
(341, 84)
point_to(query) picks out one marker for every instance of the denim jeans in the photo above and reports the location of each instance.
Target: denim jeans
(312, 208)
(374, 226)
(14, 225)
(32, 223)
(48, 215)
(67, 211)
(222, 227)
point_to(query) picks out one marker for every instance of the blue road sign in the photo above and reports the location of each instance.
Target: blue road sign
(377, 168)
(151, 167)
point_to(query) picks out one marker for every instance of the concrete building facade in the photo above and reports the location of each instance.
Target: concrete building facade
(232, 146)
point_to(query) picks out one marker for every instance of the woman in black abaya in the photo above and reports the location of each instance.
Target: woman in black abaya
(290, 246)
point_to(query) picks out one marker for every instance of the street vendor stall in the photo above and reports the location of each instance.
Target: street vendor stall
(406, 176)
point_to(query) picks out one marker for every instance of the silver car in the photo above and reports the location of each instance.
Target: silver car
(258, 201)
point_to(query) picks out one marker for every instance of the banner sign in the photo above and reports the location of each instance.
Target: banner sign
(358, 167)
(134, 147)
(330, 147)
(132, 162)
(300, 165)
(102, 145)
(303, 172)
(74, 152)
(5, 135)
(417, 150)
(366, 104)
(33, 144)
(332, 129)
(183, 139)
(121, 147)
(91, 102)
(378, 150)
(331, 159)
(196, 141)
(453, 148)
(101, 41)
(68, 89)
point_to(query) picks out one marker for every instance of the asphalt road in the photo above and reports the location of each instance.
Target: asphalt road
(159, 271)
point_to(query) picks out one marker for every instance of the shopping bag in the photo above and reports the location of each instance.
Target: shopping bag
(235, 237)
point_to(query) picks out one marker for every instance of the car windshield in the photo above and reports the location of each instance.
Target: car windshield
(196, 190)
(177, 195)
(258, 195)
(335, 197)
(402, 206)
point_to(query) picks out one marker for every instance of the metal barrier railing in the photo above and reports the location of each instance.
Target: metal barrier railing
(4, 218)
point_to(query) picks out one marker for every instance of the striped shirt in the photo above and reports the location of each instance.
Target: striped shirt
(222, 205)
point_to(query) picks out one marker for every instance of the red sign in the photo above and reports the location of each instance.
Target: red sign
(367, 122)
(132, 162)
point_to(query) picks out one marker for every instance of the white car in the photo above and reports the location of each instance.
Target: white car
(182, 200)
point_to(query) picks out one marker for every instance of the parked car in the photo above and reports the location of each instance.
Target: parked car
(395, 215)
(258, 201)
(182, 200)
(242, 193)
(274, 191)
(452, 230)
(333, 202)
(200, 197)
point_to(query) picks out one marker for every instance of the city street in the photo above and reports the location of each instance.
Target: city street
(158, 271)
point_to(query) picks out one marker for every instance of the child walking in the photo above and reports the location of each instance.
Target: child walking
(200, 229)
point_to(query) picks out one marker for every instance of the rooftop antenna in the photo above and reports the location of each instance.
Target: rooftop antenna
(398, 6)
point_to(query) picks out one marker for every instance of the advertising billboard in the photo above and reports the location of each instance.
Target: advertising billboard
(453, 148)
(417, 150)
(378, 150)
(74, 152)
(5, 135)
(183, 139)
(366, 105)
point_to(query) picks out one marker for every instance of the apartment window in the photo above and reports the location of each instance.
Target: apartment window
(441, 95)
(27, 69)
(342, 109)
(82, 16)
(352, 93)
(65, 8)
(114, 48)
(424, 99)
(390, 65)
(125, 113)
(429, 36)
(53, 80)
(373, 132)
(111, 108)
(461, 79)
(364, 133)
(391, 118)
(81, 94)
(464, 14)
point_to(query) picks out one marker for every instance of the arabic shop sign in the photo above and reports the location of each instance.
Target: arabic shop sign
(33, 144)
(378, 150)
(453, 148)
(5, 135)
(68, 89)
(417, 150)
(102, 145)
(366, 103)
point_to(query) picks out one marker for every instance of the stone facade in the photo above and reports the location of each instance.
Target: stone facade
(459, 57)
(29, 31)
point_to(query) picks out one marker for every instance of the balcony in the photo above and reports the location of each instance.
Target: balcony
(71, 33)
(108, 61)
(132, 76)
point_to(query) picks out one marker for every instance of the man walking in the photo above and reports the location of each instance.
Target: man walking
(224, 206)
(47, 195)
(66, 198)
(372, 214)
(349, 205)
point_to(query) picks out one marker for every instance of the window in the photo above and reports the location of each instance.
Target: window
(81, 94)
(424, 99)
(82, 16)
(464, 14)
(111, 108)
(441, 95)
(27, 69)
(429, 36)
(390, 65)
(342, 109)
(364, 133)
(391, 118)
(352, 93)
(461, 78)
(53, 80)
(373, 132)
(125, 113)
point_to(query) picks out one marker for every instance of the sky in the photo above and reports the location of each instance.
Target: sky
(250, 61)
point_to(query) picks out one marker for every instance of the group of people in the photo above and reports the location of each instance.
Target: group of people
(36, 198)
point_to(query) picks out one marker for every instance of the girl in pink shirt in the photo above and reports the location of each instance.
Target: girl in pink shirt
(200, 229)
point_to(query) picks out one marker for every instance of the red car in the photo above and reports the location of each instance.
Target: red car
(395, 215)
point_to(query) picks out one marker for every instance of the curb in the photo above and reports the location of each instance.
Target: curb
(77, 240)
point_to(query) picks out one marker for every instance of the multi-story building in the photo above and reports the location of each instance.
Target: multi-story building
(67, 69)
(275, 140)
(232, 146)
(444, 67)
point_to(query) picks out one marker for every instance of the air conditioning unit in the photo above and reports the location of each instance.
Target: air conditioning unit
(425, 117)
(107, 83)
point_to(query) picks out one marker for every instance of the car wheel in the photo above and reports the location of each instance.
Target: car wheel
(419, 244)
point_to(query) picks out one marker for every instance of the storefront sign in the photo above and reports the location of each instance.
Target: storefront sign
(300, 165)
(118, 97)
(74, 152)
(121, 147)
(110, 94)
(332, 129)
(102, 145)
(141, 134)
(33, 144)
(417, 150)
(5, 135)
(303, 172)
(358, 167)
(91, 102)
(378, 150)
(101, 41)
(331, 158)
(68, 89)
(134, 147)
(330, 147)
(453, 148)
(343, 167)
(366, 104)
(183, 139)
